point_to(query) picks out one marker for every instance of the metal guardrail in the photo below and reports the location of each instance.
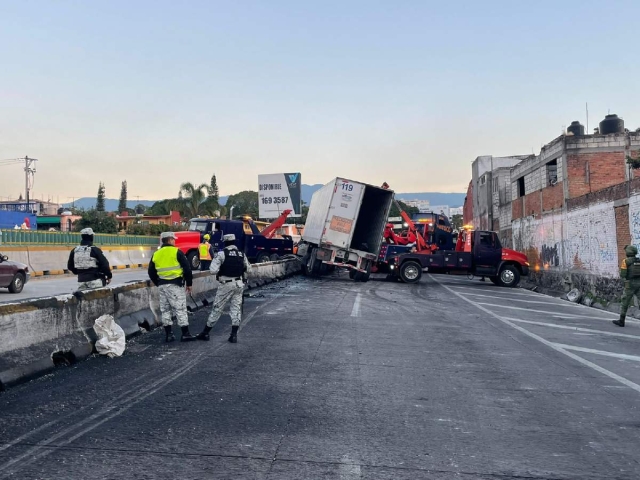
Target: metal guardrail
(35, 237)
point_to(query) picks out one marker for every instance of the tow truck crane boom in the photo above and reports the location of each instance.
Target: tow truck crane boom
(270, 230)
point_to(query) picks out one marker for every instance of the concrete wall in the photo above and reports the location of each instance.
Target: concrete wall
(50, 260)
(31, 331)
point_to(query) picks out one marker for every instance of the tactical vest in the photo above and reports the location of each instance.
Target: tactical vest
(633, 267)
(233, 265)
(205, 251)
(82, 259)
(167, 264)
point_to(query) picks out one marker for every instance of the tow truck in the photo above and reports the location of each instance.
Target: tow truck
(258, 246)
(477, 253)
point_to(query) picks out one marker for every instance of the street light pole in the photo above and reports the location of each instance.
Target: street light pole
(231, 212)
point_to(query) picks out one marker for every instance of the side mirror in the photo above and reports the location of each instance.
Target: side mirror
(3, 258)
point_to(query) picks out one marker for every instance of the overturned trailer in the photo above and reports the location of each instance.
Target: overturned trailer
(344, 228)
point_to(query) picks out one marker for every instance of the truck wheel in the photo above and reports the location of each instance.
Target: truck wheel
(410, 272)
(363, 276)
(311, 266)
(509, 276)
(352, 274)
(194, 260)
(17, 284)
(262, 257)
(274, 257)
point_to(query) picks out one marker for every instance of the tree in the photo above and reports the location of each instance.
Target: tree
(456, 221)
(100, 199)
(140, 209)
(211, 205)
(122, 205)
(100, 222)
(244, 203)
(164, 207)
(409, 210)
(194, 197)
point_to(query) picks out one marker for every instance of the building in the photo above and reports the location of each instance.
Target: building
(421, 205)
(125, 220)
(59, 223)
(490, 185)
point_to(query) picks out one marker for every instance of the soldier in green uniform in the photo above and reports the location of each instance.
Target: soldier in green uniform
(630, 273)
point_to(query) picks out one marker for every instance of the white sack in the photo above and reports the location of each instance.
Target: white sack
(111, 338)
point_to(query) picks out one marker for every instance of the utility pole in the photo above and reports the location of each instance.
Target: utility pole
(28, 172)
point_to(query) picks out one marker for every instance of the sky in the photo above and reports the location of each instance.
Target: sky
(163, 92)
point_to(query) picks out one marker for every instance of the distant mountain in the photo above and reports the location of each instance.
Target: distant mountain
(110, 204)
(434, 198)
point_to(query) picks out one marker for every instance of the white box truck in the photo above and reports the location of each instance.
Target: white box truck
(344, 227)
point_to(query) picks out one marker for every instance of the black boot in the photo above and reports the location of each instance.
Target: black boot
(620, 321)
(233, 338)
(169, 336)
(186, 335)
(204, 335)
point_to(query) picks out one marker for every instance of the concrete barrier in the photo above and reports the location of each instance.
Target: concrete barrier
(38, 335)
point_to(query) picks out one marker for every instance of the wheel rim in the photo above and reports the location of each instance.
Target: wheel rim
(507, 276)
(411, 272)
(18, 283)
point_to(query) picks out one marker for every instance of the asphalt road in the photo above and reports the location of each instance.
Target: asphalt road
(447, 379)
(48, 286)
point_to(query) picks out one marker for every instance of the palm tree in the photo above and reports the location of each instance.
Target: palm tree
(193, 198)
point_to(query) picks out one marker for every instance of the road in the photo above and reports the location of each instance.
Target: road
(63, 284)
(446, 379)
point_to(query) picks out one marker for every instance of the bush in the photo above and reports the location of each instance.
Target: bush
(151, 230)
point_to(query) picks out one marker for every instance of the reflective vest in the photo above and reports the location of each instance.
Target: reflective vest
(233, 265)
(205, 251)
(82, 259)
(167, 264)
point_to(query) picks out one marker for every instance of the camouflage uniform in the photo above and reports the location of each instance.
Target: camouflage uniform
(173, 301)
(90, 285)
(230, 266)
(630, 273)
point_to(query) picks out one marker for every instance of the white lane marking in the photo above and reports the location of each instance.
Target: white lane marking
(624, 356)
(553, 314)
(356, 306)
(597, 368)
(577, 329)
(565, 304)
(498, 291)
(349, 469)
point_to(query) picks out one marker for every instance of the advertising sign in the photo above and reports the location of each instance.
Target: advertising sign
(278, 192)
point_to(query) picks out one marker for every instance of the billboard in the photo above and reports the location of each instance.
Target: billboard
(278, 192)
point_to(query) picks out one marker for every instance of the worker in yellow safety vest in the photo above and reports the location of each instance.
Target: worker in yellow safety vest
(205, 251)
(169, 270)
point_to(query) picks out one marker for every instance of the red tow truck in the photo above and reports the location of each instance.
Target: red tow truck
(477, 252)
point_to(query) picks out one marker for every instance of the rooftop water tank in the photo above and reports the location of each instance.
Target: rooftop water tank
(576, 128)
(611, 124)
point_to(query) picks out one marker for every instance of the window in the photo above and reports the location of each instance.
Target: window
(495, 185)
(552, 172)
(198, 227)
(483, 179)
(521, 187)
(486, 239)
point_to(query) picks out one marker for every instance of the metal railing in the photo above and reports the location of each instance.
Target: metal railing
(35, 237)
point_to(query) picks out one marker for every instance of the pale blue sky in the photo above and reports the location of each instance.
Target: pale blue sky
(408, 92)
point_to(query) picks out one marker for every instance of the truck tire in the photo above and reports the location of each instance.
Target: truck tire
(194, 260)
(509, 276)
(262, 257)
(311, 265)
(274, 257)
(363, 276)
(17, 284)
(410, 271)
(352, 274)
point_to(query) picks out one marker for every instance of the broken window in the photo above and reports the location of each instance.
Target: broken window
(552, 172)
(521, 187)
